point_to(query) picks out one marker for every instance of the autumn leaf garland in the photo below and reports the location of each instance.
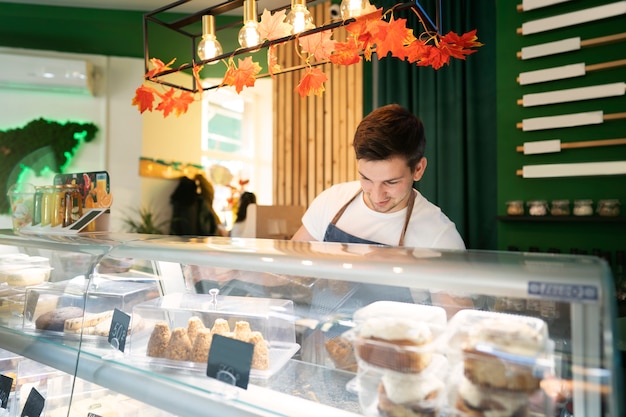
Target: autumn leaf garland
(375, 31)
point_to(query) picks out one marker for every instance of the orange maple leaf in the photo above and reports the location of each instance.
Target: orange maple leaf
(346, 53)
(196, 76)
(273, 26)
(432, 56)
(393, 37)
(459, 46)
(144, 98)
(318, 44)
(159, 66)
(172, 103)
(312, 82)
(272, 61)
(242, 76)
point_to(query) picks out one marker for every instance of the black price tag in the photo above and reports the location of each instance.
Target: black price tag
(92, 415)
(34, 404)
(119, 329)
(230, 361)
(6, 382)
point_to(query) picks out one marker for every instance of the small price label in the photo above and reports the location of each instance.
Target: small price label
(93, 415)
(230, 361)
(119, 329)
(34, 404)
(6, 382)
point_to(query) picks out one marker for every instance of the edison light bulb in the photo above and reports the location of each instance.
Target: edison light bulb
(352, 8)
(299, 17)
(249, 33)
(209, 47)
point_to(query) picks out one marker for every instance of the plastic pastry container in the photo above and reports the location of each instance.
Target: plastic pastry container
(500, 351)
(383, 392)
(9, 362)
(81, 307)
(17, 271)
(179, 327)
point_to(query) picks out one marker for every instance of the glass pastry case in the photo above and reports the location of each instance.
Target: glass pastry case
(258, 327)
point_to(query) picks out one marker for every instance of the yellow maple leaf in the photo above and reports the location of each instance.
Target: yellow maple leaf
(273, 26)
(318, 44)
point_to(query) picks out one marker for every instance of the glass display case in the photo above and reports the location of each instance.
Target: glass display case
(332, 328)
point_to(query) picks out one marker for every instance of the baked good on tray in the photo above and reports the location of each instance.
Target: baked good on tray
(395, 343)
(497, 351)
(341, 352)
(55, 320)
(176, 344)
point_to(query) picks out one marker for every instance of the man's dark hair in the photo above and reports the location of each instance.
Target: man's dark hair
(390, 131)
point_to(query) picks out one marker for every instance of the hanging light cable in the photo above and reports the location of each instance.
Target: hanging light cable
(249, 34)
(299, 17)
(209, 47)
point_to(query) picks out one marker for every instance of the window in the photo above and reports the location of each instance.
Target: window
(237, 143)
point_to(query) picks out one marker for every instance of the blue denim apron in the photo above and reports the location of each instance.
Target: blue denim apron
(360, 295)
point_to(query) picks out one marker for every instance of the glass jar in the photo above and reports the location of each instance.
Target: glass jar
(537, 207)
(608, 208)
(515, 208)
(583, 207)
(560, 208)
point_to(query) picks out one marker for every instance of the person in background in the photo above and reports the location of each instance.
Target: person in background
(382, 207)
(192, 209)
(245, 200)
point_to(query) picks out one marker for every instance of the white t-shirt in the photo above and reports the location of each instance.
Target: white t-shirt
(428, 226)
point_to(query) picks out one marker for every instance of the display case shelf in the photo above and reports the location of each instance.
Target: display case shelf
(563, 219)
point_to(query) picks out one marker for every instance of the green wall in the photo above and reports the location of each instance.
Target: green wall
(607, 235)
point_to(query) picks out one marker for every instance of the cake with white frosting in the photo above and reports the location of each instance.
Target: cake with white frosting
(409, 395)
(399, 344)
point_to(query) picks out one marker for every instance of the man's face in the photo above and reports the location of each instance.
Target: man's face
(387, 184)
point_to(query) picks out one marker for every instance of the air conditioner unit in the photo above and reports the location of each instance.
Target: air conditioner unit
(63, 75)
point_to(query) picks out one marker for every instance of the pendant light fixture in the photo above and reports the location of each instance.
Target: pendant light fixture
(249, 33)
(352, 8)
(209, 47)
(299, 17)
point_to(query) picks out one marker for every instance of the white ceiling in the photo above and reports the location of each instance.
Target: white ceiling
(149, 5)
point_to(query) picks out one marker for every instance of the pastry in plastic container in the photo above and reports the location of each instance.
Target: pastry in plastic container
(387, 393)
(179, 330)
(397, 336)
(471, 400)
(501, 351)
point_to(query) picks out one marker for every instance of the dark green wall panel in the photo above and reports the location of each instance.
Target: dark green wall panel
(607, 236)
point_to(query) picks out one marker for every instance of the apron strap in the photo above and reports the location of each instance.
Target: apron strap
(409, 211)
(342, 209)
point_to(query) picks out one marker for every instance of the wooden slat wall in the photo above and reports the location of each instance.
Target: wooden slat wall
(313, 135)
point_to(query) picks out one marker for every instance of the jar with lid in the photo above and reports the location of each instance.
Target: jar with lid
(583, 207)
(560, 208)
(515, 208)
(537, 207)
(608, 208)
(73, 205)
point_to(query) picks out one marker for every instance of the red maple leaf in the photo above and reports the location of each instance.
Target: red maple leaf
(459, 46)
(273, 26)
(172, 103)
(365, 29)
(346, 53)
(318, 44)
(196, 75)
(312, 82)
(435, 57)
(144, 98)
(242, 76)
(392, 38)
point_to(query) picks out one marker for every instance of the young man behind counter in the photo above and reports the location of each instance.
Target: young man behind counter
(382, 207)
